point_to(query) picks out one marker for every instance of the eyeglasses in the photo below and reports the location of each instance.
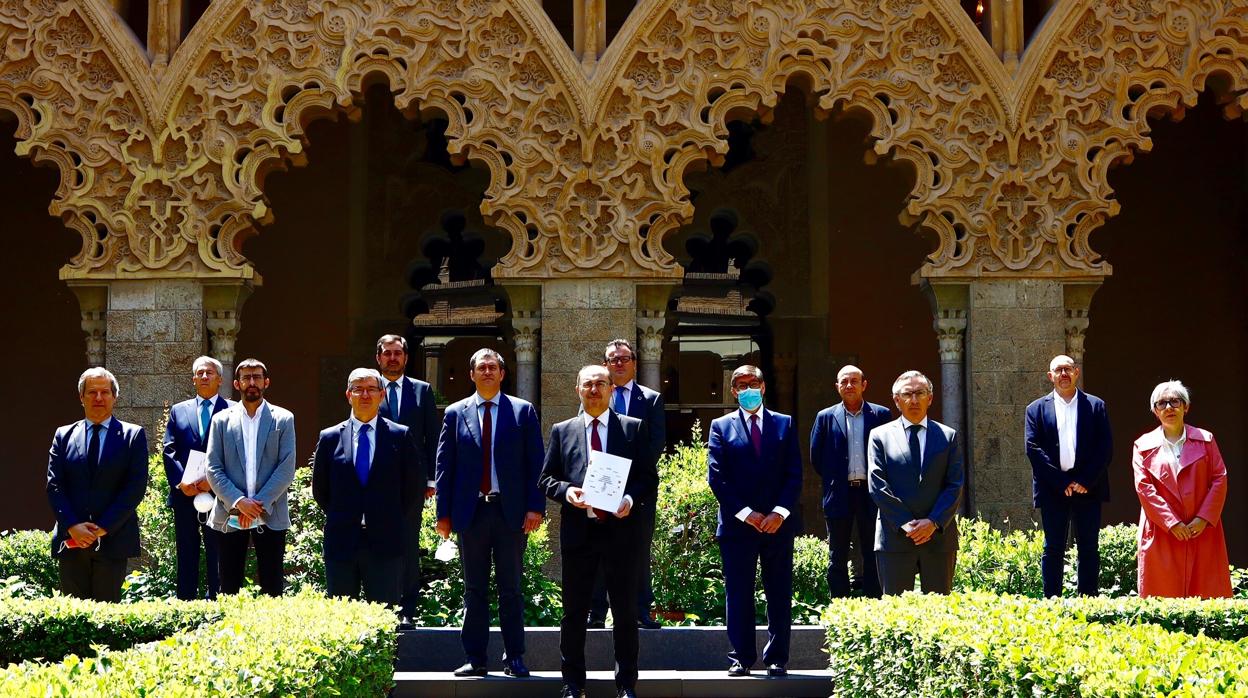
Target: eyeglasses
(619, 360)
(358, 392)
(600, 385)
(747, 386)
(1174, 402)
(908, 395)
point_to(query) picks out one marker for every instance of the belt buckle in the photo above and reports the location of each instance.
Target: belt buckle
(489, 498)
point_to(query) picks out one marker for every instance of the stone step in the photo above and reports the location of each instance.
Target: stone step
(601, 684)
(670, 649)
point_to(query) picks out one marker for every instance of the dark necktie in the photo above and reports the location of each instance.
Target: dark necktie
(619, 405)
(361, 455)
(487, 435)
(392, 400)
(756, 436)
(595, 442)
(93, 448)
(916, 454)
(205, 418)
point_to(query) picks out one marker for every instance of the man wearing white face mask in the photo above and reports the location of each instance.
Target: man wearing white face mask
(187, 430)
(755, 471)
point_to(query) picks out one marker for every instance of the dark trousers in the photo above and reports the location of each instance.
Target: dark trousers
(861, 514)
(1056, 518)
(409, 603)
(645, 592)
(270, 548)
(742, 555)
(380, 576)
(189, 534)
(87, 574)
(611, 545)
(489, 539)
(934, 567)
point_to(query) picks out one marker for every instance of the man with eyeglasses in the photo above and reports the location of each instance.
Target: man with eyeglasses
(915, 476)
(628, 397)
(251, 463)
(591, 538)
(1069, 444)
(838, 452)
(362, 480)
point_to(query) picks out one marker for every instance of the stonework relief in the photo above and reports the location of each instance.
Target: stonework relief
(165, 178)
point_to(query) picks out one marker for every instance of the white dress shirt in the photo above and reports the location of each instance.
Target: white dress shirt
(494, 402)
(761, 414)
(856, 439)
(251, 431)
(1067, 415)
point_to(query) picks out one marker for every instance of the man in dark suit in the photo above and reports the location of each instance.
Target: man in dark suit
(755, 471)
(97, 474)
(1069, 444)
(361, 480)
(187, 431)
(629, 398)
(410, 402)
(489, 460)
(591, 538)
(915, 478)
(838, 452)
(251, 464)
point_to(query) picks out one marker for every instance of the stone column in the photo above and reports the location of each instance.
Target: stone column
(222, 305)
(729, 364)
(1077, 299)
(435, 348)
(1015, 326)
(650, 348)
(785, 381)
(949, 305)
(93, 304)
(528, 325)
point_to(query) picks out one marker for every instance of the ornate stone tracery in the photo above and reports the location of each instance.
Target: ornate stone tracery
(162, 176)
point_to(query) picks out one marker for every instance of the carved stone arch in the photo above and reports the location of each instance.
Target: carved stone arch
(77, 83)
(935, 92)
(247, 83)
(1096, 75)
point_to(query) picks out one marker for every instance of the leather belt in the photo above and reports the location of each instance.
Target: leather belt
(857, 483)
(490, 498)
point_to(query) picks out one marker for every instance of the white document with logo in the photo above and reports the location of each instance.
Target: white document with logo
(605, 479)
(196, 467)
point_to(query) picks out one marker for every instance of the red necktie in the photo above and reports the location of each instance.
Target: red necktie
(595, 442)
(487, 435)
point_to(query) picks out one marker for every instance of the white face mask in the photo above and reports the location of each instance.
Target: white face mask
(203, 502)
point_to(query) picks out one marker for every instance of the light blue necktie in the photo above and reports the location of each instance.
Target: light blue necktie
(619, 406)
(205, 418)
(361, 455)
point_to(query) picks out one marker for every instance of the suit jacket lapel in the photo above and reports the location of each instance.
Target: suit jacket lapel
(1083, 412)
(262, 433)
(635, 406)
(113, 443)
(346, 445)
(472, 419)
(934, 442)
(579, 456)
(407, 399)
(236, 425)
(838, 418)
(1049, 412)
(504, 420)
(771, 434)
(1193, 449)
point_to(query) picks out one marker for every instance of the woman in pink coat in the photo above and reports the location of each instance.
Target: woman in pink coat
(1181, 481)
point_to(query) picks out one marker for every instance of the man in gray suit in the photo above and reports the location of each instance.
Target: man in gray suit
(251, 463)
(915, 477)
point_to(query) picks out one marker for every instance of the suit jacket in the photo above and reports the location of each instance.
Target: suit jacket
(419, 413)
(1094, 447)
(182, 437)
(517, 460)
(567, 460)
(275, 463)
(647, 405)
(108, 496)
(382, 501)
(741, 479)
(902, 494)
(829, 452)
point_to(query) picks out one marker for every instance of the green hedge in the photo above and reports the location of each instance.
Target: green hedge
(988, 645)
(305, 645)
(1222, 619)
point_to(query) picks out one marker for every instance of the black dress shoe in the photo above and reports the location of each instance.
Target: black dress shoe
(737, 669)
(515, 667)
(470, 669)
(777, 670)
(572, 691)
(593, 623)
(407, 623)
(649, 623)
(626, 693)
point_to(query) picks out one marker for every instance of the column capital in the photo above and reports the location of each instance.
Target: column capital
(1076, 303)
(93, 305)
(950, 302)
(527, 330)
(223, 327)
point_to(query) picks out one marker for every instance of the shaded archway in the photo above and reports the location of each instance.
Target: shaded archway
(1177, 303)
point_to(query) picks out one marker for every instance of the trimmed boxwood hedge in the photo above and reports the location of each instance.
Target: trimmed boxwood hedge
(987, 645)
(240, 646)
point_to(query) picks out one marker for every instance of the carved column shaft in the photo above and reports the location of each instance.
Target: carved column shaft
(950, 325)
(434, 349)
(222, 305)
(528, 325)
(1077, 301)
(650, 348)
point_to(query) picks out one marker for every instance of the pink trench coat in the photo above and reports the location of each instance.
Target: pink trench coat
(1167, 565)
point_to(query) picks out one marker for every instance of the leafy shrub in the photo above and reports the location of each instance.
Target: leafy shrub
(26, 563)
(988, 645)
(54, 627)
(1223, 619)
(303, 646)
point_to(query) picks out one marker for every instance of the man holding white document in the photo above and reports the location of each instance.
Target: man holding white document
(597, 466)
